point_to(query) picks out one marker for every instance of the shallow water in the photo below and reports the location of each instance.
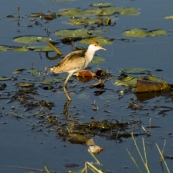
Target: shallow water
(22, 146)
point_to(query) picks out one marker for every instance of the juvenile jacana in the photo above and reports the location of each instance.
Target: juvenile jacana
(76, 61)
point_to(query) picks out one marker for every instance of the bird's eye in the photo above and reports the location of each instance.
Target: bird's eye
(95, 45)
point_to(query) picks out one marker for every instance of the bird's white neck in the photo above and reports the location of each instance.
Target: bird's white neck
(89, 54)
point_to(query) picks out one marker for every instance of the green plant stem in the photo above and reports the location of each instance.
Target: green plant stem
(163, 158)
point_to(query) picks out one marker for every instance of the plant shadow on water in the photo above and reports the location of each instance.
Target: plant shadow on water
(105, 108)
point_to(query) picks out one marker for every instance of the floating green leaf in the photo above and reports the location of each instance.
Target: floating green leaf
(70, 12)
(143, 33)
(97, 60)
(34, 72)
(2, 78)
(127, 81)
(59, 79)
(100, 4)
(40, 48)
(36, 14)
(157, 33)
(135, 71)
(77, 33)
(4, 48)
(25, 84)
(92, 20)
(100, 40)
(129, 11)
(18, 71)
(136, 33)
(19, 49)
(46, 81)
(91, 12)
(169, 17)
(31, 39)
(109, 11)
(62, 0)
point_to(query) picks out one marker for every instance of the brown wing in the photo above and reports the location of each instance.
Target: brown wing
(73, 61)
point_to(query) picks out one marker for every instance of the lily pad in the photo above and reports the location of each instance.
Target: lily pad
(40, 48)
(77, 32)
(2, 78)
(136, 33)
(46, 81)
(100, 40)
(70, 12)
(144, 33)
(36, 14)
(19, 49)
(31, 39)
(127, 81)
(34, 72)
(25, 84)
(59, 79)
(92, 12)
(157, 33)
(97, 60)
(18, 71)
(4, 48)
(100, 4)
(169, 17)
(109, 11)
(129, 11)
(135, 71)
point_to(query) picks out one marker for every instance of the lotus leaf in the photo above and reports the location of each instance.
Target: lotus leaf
(41, 48)
(77, 33)
(136, 33)
(100, 40)
(25, 84)
(91, 12)
(135, 71)
(70, 12)
(100, 4)
(168, 17)
(46, 81)
(109, 11)
(129, 11)
(143, 33)
(4, 48)
(157, 33)
(19, 49)
(34, 72)
(31, 39)
(127, 81)
(2, 78)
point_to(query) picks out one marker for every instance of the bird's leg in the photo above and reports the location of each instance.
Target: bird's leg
(65, 87)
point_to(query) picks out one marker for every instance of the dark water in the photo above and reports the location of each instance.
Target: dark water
(22, 147)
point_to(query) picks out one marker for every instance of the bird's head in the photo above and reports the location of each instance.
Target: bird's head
(94, 46)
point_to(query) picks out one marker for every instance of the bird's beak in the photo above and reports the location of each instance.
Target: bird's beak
(103, 48)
